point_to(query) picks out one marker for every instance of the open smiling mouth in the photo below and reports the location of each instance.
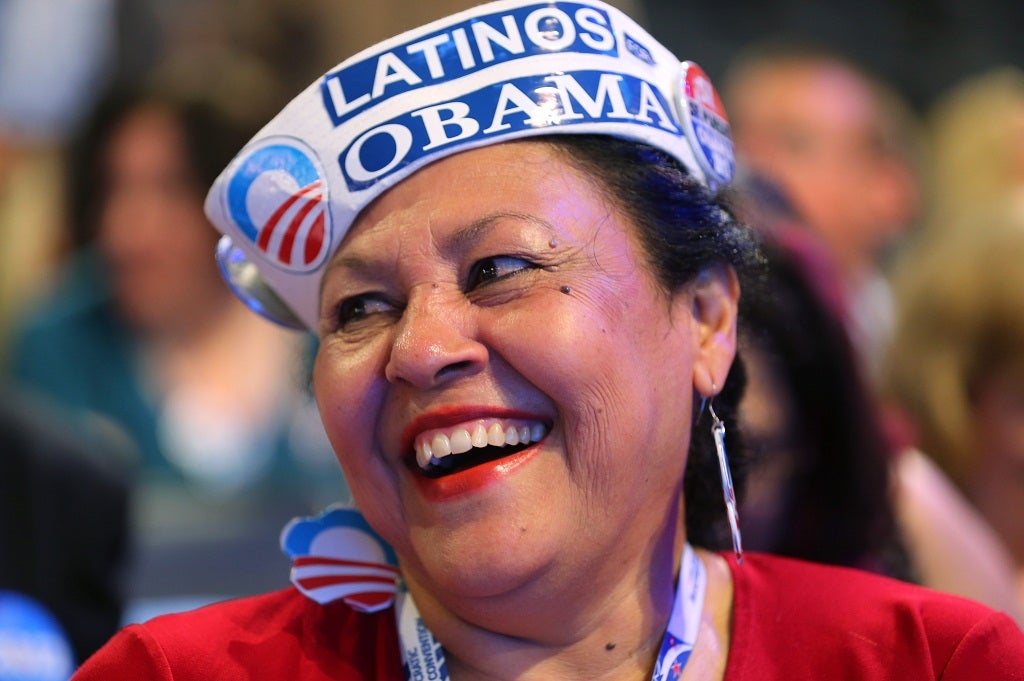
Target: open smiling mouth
(443, 452)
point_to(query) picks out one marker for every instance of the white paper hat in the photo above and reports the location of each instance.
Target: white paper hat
(500, 71)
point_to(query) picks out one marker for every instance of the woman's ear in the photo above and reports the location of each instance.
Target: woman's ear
(715, 303)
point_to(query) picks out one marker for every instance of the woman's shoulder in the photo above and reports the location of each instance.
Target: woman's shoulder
(236, 618)
(778, 581)
(793, 615)
(277, 635)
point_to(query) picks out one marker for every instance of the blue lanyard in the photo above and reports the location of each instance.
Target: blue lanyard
(423, 657)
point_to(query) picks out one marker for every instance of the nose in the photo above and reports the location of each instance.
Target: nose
(435, 341)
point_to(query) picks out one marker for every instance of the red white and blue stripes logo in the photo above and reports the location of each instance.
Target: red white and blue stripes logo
(707, 126)
(278, 199)
(336, 555)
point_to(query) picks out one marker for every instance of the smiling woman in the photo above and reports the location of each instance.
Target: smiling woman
(445, 349)
(526, 369)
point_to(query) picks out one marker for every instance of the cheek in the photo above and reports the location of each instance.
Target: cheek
(607, 368)
(349, 396)
(560, 345)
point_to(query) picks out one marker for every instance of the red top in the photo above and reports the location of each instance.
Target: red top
(796, 620)
(280, 636)
(792, 620)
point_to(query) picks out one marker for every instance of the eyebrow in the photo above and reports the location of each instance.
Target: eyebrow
(476, 230)
(461, 239)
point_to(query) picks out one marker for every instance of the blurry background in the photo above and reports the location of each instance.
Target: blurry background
(905, 112)
(921, 47)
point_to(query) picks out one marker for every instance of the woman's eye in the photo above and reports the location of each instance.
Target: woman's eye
(494, 268)
(360, 307)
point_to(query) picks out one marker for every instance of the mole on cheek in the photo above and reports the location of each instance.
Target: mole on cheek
(566, 290)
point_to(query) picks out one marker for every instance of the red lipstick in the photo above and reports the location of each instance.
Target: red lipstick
(473, 479)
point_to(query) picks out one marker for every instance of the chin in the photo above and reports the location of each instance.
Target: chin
(480, 579)
(483, 562)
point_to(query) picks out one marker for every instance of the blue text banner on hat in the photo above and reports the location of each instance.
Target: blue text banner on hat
(465, 47)
(502, 109)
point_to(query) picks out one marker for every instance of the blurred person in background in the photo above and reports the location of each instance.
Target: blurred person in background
(54, 57)
(64, 538)
(142, 332)
(957, 362)
(819, 486)
(829, 480)
(65, 489)
(976, 137)
(840, 145)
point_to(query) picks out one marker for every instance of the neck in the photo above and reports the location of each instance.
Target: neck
(607, 624)
(236, 362)
(609, 641)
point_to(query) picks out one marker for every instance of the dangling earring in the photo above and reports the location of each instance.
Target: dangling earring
(718, 432)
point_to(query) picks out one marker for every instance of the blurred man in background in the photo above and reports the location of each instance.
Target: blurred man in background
(839, 145)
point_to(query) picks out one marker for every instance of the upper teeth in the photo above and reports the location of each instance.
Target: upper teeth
(433, 446)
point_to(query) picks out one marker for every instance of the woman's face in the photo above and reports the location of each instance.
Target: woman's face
(496, 291)
(153, 233)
